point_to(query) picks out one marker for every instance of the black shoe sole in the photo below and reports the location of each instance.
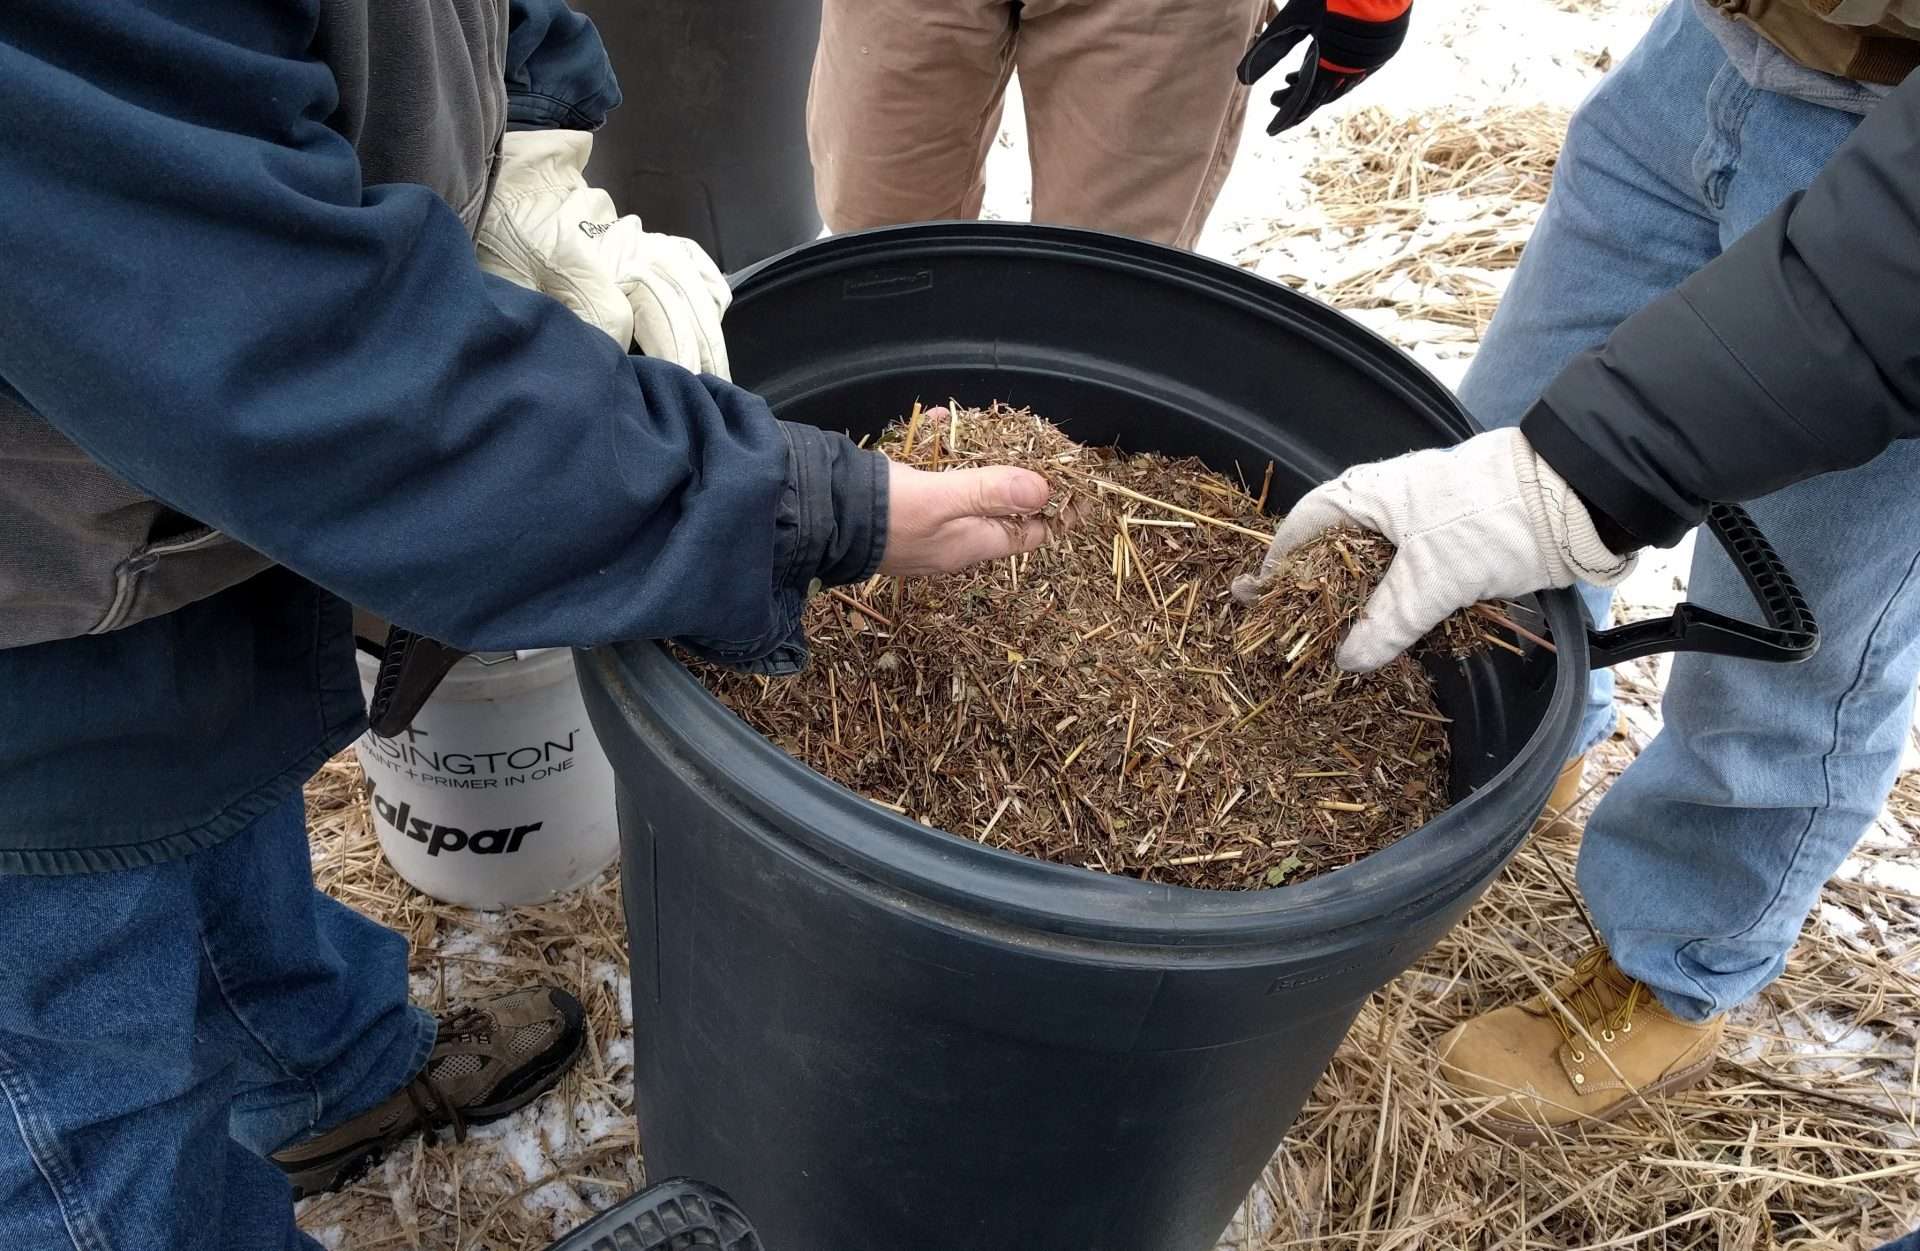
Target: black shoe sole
(354, 1163)
(676, 1215)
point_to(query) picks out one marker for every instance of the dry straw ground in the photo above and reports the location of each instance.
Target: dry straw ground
(1431, 211)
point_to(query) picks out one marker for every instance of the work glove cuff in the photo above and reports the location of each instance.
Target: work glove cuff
(1563, 524)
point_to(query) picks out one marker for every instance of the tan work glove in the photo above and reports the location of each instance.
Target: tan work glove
(546, 229)
(1486, 519)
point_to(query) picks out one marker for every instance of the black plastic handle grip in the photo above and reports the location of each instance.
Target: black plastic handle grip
(1790, 634)
(676, 1213)
(411, 666)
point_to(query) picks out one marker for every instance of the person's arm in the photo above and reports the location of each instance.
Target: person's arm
(557, 72)
(545, 228)
(1795, 353)
(200, 292)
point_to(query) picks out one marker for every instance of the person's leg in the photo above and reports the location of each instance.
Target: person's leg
(1133, 111)
(1765, 775)
(1702, 862)
(128, 1024)
(904, 102)
(312, 991)
(1623, 225)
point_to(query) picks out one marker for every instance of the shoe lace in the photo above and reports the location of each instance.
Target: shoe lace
(467, 1025)
(1596, 994)
(425, 1095)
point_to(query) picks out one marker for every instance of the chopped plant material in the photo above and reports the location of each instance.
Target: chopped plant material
(1103, 702)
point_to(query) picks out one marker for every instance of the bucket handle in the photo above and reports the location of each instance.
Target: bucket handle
(411, 666)
(1789, 636)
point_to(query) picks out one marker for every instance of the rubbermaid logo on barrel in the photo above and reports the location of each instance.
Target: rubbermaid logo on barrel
(439, 838)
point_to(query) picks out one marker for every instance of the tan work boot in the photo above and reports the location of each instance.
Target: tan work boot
(1570, 788)
(1609, 1044)
(489, 1059)
(1567, 790)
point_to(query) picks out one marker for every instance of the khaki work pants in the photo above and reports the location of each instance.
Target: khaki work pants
(1133, 111)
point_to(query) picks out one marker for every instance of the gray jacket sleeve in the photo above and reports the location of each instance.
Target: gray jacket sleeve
(1795, 353)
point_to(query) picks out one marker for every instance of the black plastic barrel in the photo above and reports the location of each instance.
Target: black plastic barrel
(880, 1036)
(710, 141)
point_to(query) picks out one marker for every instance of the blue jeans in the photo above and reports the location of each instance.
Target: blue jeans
(163, 1029)
(1702, 862)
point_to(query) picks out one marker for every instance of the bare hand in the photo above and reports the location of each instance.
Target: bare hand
(943, 522)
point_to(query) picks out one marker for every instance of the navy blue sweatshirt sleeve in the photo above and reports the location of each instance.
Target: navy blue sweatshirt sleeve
(1795, 353)
(200, 293)
(558, 75)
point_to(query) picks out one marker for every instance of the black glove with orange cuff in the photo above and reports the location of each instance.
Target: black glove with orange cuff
(1351, 39)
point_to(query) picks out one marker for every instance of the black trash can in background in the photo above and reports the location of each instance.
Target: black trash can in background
(711, 141)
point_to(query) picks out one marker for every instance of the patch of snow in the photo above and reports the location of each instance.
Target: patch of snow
(1749, 1021)
(1659, 579)
(1449, 368)
(396, 1173)
(457, 947)
(1257, 1218)
(1884, 873)
(1009, 176)
(1889, 832)
(596, 1121)
(608, 974)
(1823, 1042)
(468, 942)
(527, 1140)
(1845, 922)
(531, 1143)
(556, 1126)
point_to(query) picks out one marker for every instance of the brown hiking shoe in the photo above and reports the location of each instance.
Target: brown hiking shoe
(490, 1059)
(1593, 1059)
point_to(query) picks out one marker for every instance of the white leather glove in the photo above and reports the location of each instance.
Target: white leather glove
(1486, 519)
(545, 228)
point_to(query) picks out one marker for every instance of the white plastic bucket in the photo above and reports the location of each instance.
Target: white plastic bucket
(499, 794)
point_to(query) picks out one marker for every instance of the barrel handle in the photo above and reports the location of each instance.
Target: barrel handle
(1789, 636)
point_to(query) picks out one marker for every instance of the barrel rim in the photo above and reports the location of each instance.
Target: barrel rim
(1454, 853)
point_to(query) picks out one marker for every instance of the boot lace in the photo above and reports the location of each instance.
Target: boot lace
(468, 1025)
(1598, 997)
